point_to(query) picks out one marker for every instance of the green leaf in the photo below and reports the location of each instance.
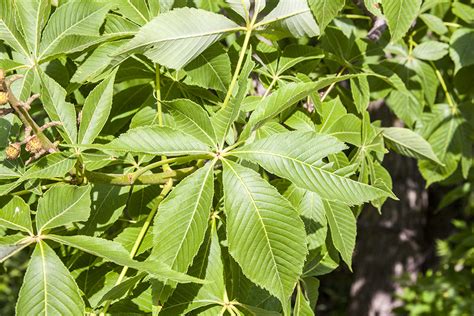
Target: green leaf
(303, 166)
(361, 93)
(265, 234)
(116, 253)
(464, 11)
(326, 10)
(186, 210)
(400, 15)
(243, 7)
(187, 30)
(289, 95)
(53, 97)
(135, 10)
(311, 209)
(434, 23)
(96, 110)
(7, 173)
(302, 307)
(409, 143)
(431, 50)
(192, 119)
(8, 31)
(48, 287)
(63, 204)
(33, 16)
(343, 228)
(97, 64)
(460, 48)
(70, 20)
(224, 118)
(294, 16)
(16, 215)
(156, 140)
(11, 245)
(211, 69)
(50, 166)
(207, 264)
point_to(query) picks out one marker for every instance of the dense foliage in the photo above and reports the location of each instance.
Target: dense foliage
(212, 157)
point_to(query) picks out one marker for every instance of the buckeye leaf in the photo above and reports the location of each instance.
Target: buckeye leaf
(70, 20)
(96, 110)
(400, 15)
(431, 50)
(409, 143)
(343, 228)
(54, 102)
(8, 31)
(116, 253)
(193, 119)
(243, 7)
(175, 38)
(225, 117)
(296, 156)
(48, 287)
(181, 221)
(207, 264)
(50, 166)
(134, 10)
(326, 10)
(158, 140)
(11, 245)
(211, 69)
(265, 234)
(33, 16)
(294, 16)
(289, 95)
(16, 215)
(61, 205)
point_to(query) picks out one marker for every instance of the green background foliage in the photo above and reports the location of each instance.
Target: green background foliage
(213, 157)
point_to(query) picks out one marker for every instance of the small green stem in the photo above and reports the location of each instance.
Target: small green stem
(270, 87)
(166, 166)
(240, 62)
(141, 235)
(160, 163)
(331, 87)
(445, 88)
(126, 180)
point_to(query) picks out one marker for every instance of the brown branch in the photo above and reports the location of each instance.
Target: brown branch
(21, 110)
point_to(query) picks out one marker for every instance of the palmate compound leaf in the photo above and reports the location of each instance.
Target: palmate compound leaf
(296, 156)
(116, 253)
(63, 204)
(175, 38)
(181, 221)
(409, 143)
(265, 234)
(48, 287)
(158, 140)
(16, 215)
